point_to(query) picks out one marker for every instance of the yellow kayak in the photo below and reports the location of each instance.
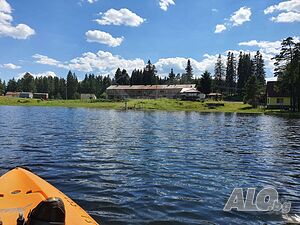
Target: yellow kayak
(27, 199)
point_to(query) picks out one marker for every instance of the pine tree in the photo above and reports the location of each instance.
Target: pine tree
(189, 72)
(252, 91)
(288, 70)
(259, 68)
(149, 74)
(12, 85)
(219, 74)
(27, 83)
(205, 83)
(171, 77)
(231, 73)
(72, 86)
(2, 88)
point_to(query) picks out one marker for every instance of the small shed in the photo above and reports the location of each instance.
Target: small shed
(88, 97)
(276, 98)
(191, 94)
(43, 96)
(12, 94)
(215, 96)
(26, 95)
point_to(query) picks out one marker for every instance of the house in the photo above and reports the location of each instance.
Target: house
(12, 94)
(43, 96)
(191, 94)
(146, 91)
(26, 95)
(88, 96)
(277, 99)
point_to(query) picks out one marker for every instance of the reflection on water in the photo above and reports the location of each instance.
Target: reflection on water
(154, 167)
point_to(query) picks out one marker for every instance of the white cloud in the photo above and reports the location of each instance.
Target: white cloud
(267, 46)
(164, 4)
(102, 62)
(92, 1)
(214, 10)
(120, 17)
(7, 29)
(268, 49)
(288, 17)
(164, 65)
(103, 38)
(4, 7)
(236, 19)
(220, 28)
(35, 75)
(45, 74)
(289, 11)
(10, 66)
(241, 16)
(42, 59)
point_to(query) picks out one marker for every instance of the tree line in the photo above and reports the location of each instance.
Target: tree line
(287, 64)
(241, 77)
(58, 88)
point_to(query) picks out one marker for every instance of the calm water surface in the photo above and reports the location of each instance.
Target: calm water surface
(155, 167)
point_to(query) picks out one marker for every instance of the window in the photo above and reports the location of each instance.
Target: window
(279, 100)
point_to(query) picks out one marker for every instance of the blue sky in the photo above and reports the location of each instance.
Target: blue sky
(97, 36)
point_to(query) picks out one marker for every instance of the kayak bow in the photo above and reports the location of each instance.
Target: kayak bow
(26, 197)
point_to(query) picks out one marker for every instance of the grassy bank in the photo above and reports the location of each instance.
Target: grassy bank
(137, 104)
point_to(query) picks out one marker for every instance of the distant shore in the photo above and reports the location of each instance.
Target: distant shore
(144, 104)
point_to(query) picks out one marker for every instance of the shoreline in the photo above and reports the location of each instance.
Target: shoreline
(171, 105)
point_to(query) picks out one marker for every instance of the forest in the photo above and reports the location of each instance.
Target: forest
(238, 77)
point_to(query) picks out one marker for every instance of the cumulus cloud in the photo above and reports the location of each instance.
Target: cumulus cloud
(268, 49)
(289, 11)
(220, 28)
(120, 17)
(164, 4)
(241, 16)
(238, 18)
(164, 65)
(10, 66)
(7, 29)
(101, 62)
(42, 59)
(103, 38)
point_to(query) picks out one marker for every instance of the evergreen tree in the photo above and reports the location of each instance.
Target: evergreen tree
(231, 73)
(244, 71)
(12, 85)
(72, 86)
(288, 70)
(252, 91)
(189, 72)
(205, 83)
(2, 88)
(259, 69)
(149, 74)
(27, 83)
(219, 74)
(118, 76)
(171, 78)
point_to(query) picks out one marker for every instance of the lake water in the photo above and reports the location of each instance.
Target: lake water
(127, 167)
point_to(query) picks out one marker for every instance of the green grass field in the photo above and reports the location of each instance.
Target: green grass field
(137, 104)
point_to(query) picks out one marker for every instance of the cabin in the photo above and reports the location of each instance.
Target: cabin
(277, 99)
(146, 91)
(191, 94)
(88, 97)
(26, 95)
(44, 96)
(11, 94)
